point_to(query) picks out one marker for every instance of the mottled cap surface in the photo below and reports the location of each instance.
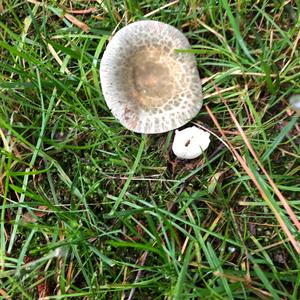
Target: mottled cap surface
(148, 85)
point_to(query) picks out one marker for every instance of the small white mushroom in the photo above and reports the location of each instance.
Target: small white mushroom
(190, 142)
(295, 102)
(149, 86)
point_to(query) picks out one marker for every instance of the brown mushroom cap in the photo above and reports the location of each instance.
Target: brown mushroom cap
(148, 86)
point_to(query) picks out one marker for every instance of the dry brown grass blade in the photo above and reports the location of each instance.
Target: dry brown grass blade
(141, 261)
(82, 11)
(77, 23)
(4, 294)
(272, 183)
(262, 294)
(4, 141)
(57, 58)
(160, 8)
(256, 183)
(68, 16)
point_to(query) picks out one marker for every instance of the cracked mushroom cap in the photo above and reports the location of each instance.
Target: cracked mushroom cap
(147, 85)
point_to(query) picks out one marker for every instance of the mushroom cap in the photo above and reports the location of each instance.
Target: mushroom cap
(295, 101)
(190, 142)
(147, 85)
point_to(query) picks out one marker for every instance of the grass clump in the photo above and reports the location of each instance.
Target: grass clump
(90, 210)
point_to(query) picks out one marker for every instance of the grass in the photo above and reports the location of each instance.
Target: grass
(90, 210)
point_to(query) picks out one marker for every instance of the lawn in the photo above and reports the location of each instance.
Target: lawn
(91, 210)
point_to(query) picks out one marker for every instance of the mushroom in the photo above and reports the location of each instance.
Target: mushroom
(189, 143)
(148, 85)
(295, 101)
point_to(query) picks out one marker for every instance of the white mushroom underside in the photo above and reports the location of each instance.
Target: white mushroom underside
(148, 86)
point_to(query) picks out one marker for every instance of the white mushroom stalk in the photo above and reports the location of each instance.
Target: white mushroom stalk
(149, 86)
(190, 143)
